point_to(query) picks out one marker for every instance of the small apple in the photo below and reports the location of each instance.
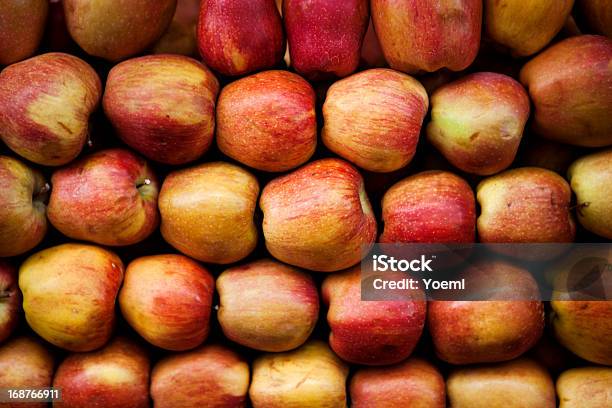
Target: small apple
(267, 121)
(211, 376)
(180, 37)
(18, 39)
(374, 118)
(163, 106)
(237, 37)
(10, 300)
(325, 36)
(115, 29)
(424, 35)
(311, 376)
(45, 104)
(318, 217)
(79, 284)
(520, 383)
(114, 376)
(545, 153)
(371, 52)
(167, 299)
(207, 212)
(266, 305)
(412, 383)
(109, 197)
(585, 387)
(570, 85)
(56, 36)
(23, 222)
(596, 15)
(477, 122)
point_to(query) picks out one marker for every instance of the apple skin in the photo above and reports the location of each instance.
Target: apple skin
(596, 14)
(163, 106)
(25, 363)
(570, 85)
(477, 122)
(108, 197)
(520, 383)
(371, 52)
(211, 376)
(10, 300)
(79, 283)
(117, 29)
(372, 332)
(527, 204)
(281, 130)
(207, 212)
(591, 180)
(266, 305)
(318, 217)
(167, 299)
(373, 118)
(23, 222)
(421, 35)
(116, 376)
(585, 387)
(429, 207)
(412, 383)
(45, 104)
(311, 376)
(525, 27)
(325, 36)
(19, 40)
(237, 37)
(180, 37)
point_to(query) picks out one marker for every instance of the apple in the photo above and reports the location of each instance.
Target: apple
(56, 36)
(311, 376)
(412, 383)
(180, 37)
(374, 118)
(18, 39)
(371, 52)
(525, 27)
(591, 180)
(325, 36)
(45, 104)
(477, 122)
(596, 15)
(429, 207)
(540, 152)
(108, 197)
(115, 29)
(518, 383)
(570, 85)
(267, 121)
(237, 37)
(79, 283)
(423, 35)
(114, 376)
(10, 300)
(23, 222)
(163, 106)
(318, 217)
(585, 387)
(372, 332)
(207, 212)
(211, 376)
(266, 305)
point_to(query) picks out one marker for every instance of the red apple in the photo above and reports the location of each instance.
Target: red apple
(236, 37)
(477, 122)
(56, 36)
(79, 284)
(22, 24)
(325, 36)
(267, 305)
(109, 197)
(596, 14)
(180, 37)
(371, 52)
(585, 387)
(423, 35)
(114, 376)
(318, 217)
(570, 85)
(23, 222)
(412, 383)
(45, 103)
(163, 106)
(540, 152)
(211, 376)
(374, 118)
(267, 121)
(116, 29)
(10, 300)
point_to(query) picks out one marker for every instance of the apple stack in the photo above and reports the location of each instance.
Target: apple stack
(186, 188)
